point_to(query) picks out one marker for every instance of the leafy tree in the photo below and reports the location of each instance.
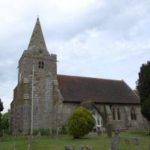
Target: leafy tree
(143, 86)
(5, 121)
(146, 108)
(1, 106)
(144, 81)
(81, 122)
(1, 109)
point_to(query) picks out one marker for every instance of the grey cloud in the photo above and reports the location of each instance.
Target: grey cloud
(108, 41)
(119, 18)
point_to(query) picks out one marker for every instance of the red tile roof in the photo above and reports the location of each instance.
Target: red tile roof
(76, 89)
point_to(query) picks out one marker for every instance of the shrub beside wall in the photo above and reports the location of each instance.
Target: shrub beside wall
(81, 122)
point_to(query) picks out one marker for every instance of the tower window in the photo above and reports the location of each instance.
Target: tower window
(41, 64)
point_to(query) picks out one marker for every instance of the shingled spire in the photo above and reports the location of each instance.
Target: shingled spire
(37, 42)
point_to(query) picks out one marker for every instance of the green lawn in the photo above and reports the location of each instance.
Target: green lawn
(127, 142)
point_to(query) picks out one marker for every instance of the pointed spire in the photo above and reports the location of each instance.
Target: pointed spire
(37, 41)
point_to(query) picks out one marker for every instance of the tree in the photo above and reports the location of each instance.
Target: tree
(143, 86)
(1, 106)
(146, 108)
(5, 121)
(81, 122)
(1, 109)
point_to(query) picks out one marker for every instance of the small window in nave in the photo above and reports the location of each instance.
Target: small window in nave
(113, 113)
(118, 113)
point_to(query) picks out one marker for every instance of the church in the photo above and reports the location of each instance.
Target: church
(46, 99)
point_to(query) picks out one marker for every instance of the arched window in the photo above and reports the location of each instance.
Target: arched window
(97, 117)
(118, 114)
(113, 113)
(98, 121)
(133, 114)
(41, 64)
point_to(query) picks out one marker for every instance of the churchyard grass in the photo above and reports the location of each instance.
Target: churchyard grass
(134, 140)
(128, 141)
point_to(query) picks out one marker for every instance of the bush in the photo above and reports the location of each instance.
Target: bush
(41, 131)
(53, 131)
(7, 131)
(63, 130)
(81, 122)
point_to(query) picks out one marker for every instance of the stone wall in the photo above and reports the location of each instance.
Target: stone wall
(124, 122)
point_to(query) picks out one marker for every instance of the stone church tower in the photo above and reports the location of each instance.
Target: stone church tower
(37, 71)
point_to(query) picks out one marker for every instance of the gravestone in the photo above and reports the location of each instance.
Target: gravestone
(81, 147)
(148, 147)
(127, 141)
(73, 147)
(88, 147)
(67, 147)
(135, 141)
(114, 142)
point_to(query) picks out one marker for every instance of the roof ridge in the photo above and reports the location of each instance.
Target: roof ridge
(75, 76)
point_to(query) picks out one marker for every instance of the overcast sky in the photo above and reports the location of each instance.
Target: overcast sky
(96, 38)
